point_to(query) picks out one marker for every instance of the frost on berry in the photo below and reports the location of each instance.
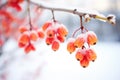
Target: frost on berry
(61, 38)
(84, 62)
(33, 35)
(23, 29)
(49, 40)
(80, 40)
(40, 34)
(91, 54)
(55, 33)
(27, 38)
(24, 39)
(70, 45)
(46, 25)
(62, 31)
(91, 38)
(29, 48)
(55, 45)
(80, 54)
(50, 32)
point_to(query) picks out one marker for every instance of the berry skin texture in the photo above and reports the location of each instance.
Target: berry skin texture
(22, 29)
(55, 45)
(61, 38)
(70, 46)
(46, 25)
(33, 36)
(91, 38)
(79, 55)
(21, 45)
(40, 34)
(62, 31)
(91, 54)
(51, 32)
(29, 48)
(24, 39)
(49, 40)
(84, 62)
(79, 42)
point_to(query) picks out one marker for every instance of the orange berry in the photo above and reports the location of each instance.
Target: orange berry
(91, 38)
(41, 34)
(62, 30)
(80, 54)
(91, 54)
(23, 29)
(55, 45)
(29, 48)
(33, 36)
(50, 32)
(21, 45)
(84, 62)
(70, 46)
(49, 40)
(24, 39)
(46, 25)
(79, 42)
(61, 38)
(1, 42)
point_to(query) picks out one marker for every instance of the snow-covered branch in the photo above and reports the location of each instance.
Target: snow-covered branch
(87, 14)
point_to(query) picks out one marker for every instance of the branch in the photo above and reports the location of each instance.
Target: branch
(79, 12)
(4, 4)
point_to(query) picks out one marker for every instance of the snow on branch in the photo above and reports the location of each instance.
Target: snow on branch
(87, 14)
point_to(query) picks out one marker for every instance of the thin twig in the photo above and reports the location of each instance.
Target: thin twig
(4, 4)
(73, 11)
(30, 23)
(75, 32)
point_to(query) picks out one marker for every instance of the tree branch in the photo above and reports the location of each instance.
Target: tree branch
(79, 12)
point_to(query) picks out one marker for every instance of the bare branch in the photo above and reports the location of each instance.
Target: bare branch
(79, 12)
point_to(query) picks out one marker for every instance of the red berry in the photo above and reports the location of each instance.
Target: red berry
(61, 38)
(50, 32)
(91, 54)
(49, 40)
(33, 36)
(80, 54)
(70, 46)
(79, 42)
(24, 39)
(29, 48)
(46, 25)
(62, 31)
(23, 29)
(41, 34)
(55, 45)
(84, 62)
(91, 38)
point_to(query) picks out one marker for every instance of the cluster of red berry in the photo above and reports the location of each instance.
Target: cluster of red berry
(28, 37)
(15, 4)
(83, 54)
(55, 34)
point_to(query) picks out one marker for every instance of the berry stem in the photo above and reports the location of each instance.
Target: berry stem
(81, 24)
(53, 16)
(29, 16)
(75, 32)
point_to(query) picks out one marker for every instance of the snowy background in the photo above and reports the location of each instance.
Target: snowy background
(45, 64)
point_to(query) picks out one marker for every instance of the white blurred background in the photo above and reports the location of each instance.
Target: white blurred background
(45, 64)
